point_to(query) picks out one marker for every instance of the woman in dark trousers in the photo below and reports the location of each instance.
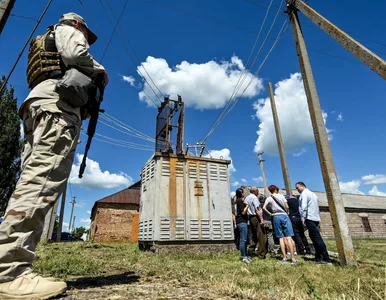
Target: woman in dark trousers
(242, 224)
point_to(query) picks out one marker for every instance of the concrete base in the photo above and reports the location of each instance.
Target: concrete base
(188, 248)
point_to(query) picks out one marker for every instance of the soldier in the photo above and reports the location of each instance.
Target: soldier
(51, 125)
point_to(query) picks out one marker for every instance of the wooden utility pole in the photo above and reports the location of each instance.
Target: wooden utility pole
(5, 10)
(62, 206)
(284, 167)
(334, 196)
(261, 163)
(72, 211)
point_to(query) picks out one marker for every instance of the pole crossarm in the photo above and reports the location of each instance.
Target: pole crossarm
(366, 56)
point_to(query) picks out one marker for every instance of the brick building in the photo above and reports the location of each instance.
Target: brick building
(366, 215)
(115, 217)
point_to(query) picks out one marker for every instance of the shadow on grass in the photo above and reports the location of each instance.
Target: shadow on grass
(97, 281)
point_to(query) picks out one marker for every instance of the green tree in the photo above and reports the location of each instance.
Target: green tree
(10, 145)
(78, 232)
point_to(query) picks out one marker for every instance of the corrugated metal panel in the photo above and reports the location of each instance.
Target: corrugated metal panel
(165, 229)
(227, 229)
(205, 229)
(127, 196)
(180, 229)
(194, 229)
(216, 230)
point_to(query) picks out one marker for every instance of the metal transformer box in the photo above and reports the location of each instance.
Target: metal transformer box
(185, 201)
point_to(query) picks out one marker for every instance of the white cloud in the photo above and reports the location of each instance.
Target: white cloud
(80, 204)
(203, 86)
(258, 179)
(374, 179)
(375, 192)
(293, 113)
(65, 226)
(340, 117)
(85, 223)
(129, 79)
(236, 183)
(350, 187)
(89, 212)
(243, 180)
(21, 131)
(232, 194)
(222, 154)
(95, 178)
(301, 152)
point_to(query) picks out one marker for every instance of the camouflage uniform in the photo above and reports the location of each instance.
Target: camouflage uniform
(51, 128)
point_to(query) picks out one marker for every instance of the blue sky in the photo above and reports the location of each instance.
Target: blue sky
(199, 49)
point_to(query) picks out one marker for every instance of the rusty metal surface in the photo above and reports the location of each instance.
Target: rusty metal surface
(127, 196)
(172, 197)
(366, 56)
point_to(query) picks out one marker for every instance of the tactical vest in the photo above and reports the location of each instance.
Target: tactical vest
(44, 60)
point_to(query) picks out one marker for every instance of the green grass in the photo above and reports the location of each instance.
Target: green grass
(224, 274)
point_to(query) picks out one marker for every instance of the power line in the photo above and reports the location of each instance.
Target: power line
(25, 45)
(115, 27)
(225, 112)
(115, 52)
(131, 58)
(281, 32)
(315, 26)
(19, 16)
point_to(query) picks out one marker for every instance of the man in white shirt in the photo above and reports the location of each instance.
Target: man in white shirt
(310, 215)
(51, 126)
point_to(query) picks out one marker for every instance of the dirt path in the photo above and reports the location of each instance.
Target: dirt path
(131, 286)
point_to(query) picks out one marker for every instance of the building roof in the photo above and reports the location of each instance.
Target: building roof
(126, 196)
(350, 201)
(130, 195)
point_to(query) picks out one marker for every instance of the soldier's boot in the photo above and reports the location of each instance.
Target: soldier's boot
(31, 286)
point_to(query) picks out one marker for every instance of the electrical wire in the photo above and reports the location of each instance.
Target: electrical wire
(25, 45)
(132, 48)
(114, 51)
(237, 87)
(131, 58)
(281, 32)
(115, 28)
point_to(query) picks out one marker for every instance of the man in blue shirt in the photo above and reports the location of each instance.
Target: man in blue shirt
(310, 215)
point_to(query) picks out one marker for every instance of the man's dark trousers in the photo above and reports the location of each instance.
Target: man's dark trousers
(253, 221)
(317, 240)
(299, 237)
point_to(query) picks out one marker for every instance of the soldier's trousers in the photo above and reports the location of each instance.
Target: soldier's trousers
(50, 142)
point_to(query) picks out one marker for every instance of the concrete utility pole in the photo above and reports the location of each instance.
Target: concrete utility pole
(366, 56)
(72, 211)
(73, 225)
(5, 10)
(62, 206)
(261, 163)
(284, 167)
(49, 223)
(334, 196)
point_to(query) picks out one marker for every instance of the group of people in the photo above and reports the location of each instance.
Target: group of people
(259, 221)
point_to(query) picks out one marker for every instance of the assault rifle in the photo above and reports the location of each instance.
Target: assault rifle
(93, 109)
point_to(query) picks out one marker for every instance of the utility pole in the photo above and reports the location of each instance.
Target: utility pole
(49, 223)
(366, 56)
(261, 163)
(62, 206)
(73, 225)
(5, 10)
(72, 211)
(334, 196)
(284, 167)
